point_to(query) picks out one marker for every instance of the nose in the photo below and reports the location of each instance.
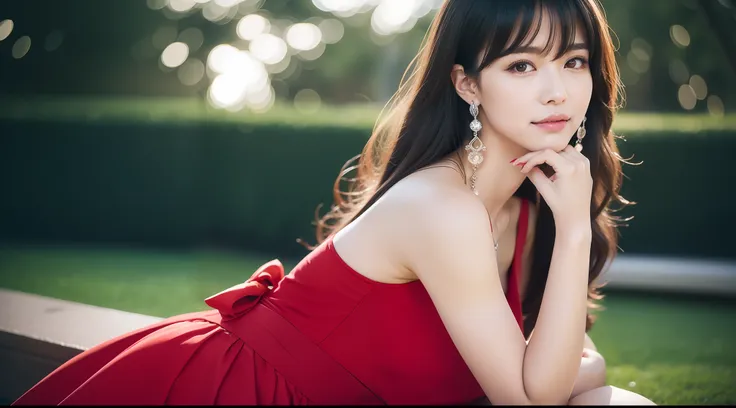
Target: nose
(553, 88)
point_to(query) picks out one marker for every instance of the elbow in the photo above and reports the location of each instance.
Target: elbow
(549, 400)
(547, 393)
(520, 397)
(525, 398)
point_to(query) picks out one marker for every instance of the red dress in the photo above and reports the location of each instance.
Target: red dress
(324, 334)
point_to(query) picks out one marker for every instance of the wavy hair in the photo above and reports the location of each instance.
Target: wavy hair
(425, 121)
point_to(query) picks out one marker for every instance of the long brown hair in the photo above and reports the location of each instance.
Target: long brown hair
(427, 121)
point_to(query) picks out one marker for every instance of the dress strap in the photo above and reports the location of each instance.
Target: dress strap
(514, 295)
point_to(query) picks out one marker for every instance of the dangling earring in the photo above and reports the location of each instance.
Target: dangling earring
(475, 147)
(581, 134)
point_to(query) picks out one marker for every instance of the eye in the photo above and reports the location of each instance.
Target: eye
(521, 67)
(577, 63)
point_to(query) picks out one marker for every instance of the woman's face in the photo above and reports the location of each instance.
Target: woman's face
(519, 92)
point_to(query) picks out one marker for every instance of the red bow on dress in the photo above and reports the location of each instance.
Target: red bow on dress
(239, 299)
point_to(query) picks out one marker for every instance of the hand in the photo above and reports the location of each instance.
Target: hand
(568, 192)
(592, 373)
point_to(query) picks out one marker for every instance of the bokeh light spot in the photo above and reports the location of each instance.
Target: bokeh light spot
(303, 36)
(181, 6)
(53, 40)
(679, 72)
(307, 101)
(332, 30)
(679, 36)
(251, 26)
(699, 86)
(191, 72)
(193, 37)
(715, 106)
(686, 97)
(268, 48)
(175, 54)
(21, 47)
(6, 27)
(163, 36)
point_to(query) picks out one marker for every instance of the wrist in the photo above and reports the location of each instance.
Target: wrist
(574, 233)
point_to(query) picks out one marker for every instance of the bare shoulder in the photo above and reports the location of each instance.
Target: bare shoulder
(422, 218)
(433, 218)
(451, 253)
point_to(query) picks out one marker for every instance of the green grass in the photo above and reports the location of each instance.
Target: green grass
(672, 349)
(196, 110)
(153, 283)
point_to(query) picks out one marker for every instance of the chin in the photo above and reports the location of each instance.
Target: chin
(556, 145)
(536, 141)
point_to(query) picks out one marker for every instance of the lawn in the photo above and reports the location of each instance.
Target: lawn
(672, 349)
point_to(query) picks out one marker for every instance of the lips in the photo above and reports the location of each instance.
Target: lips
(555, 123)
(553, 119)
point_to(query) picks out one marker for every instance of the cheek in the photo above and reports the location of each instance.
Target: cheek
(506, 105)
(583, 90)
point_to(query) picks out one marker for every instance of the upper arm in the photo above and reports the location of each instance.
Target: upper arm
(454, 259)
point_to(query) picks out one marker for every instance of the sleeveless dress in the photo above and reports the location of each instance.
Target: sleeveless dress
(324, 334)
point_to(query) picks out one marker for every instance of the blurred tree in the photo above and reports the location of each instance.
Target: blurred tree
(654, 64)
(720, 15)
(673, 54)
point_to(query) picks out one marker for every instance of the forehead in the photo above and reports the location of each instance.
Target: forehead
(548, 29)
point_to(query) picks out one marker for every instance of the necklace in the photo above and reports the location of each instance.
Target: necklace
(495, 243)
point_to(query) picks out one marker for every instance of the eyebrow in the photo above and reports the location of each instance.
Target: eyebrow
(537, 50)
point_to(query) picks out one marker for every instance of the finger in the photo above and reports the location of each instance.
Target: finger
(571, 149)
(570, 153)
(540, 181)
(523, 159)
(575, 157)
(557, 162)
(528, 156)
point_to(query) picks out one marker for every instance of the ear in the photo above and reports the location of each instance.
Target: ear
(465, 86)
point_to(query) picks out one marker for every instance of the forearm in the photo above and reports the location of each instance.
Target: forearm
(552, 357)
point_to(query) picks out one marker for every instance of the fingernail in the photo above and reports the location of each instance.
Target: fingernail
(513, 160)
(520, 164)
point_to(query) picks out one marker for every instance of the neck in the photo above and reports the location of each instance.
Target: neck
(496, 178)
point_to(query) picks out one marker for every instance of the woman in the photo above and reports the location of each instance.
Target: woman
(459, 270)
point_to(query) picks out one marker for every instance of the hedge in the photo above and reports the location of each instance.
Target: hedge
(255, 186)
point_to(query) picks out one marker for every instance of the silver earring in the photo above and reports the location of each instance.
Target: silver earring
(476, 146)
(580, 134)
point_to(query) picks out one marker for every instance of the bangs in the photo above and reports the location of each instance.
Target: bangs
(519, 22)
